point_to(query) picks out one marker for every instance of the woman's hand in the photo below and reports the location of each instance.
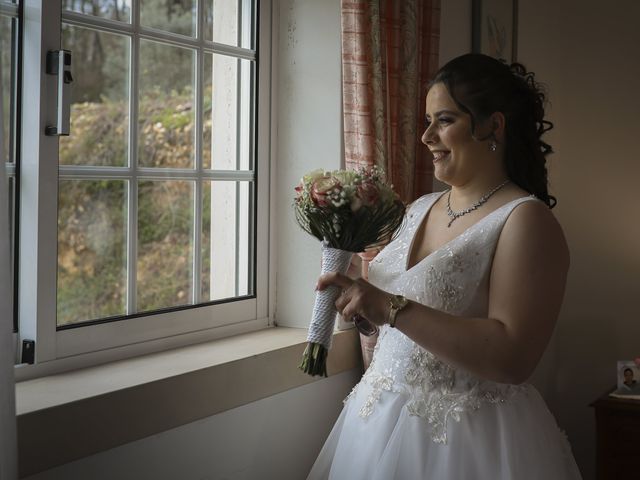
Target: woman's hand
(358, 297)
(369, 255)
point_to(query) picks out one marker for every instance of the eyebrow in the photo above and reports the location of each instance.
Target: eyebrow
(440, 112)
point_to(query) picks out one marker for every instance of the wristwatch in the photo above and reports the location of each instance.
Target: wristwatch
(396, 303)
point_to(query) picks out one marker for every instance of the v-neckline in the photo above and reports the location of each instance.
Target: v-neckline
(423, 218)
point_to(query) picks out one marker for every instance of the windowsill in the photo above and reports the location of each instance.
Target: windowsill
(71, 415)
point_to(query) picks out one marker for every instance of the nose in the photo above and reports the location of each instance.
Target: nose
(428, 137)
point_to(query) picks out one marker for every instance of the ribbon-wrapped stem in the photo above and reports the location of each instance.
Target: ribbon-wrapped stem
(314, 359)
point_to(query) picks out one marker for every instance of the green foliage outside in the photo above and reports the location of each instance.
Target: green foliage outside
(93, 216)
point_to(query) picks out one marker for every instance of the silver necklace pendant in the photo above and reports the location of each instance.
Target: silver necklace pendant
(455, 215)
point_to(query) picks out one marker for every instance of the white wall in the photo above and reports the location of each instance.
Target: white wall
(455, 29)
(277, 438)
(309, 136)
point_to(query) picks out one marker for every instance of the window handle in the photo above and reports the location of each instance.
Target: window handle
(59, 64)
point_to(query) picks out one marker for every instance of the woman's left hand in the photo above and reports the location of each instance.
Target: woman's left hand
(358, 297)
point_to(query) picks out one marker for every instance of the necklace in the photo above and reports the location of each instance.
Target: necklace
(479, 203)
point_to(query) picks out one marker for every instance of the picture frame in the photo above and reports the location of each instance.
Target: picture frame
(628, 378)
(494, 28)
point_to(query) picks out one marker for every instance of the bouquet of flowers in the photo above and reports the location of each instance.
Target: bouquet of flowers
(349, 211)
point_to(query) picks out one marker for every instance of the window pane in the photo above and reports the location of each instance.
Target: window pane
(176, 16)
(167, 117)
(91, 250)
(112, 9)
(8, 37)
(100, 98)
(228, 22)
(165, 244)
(227, 239)
(227, 113)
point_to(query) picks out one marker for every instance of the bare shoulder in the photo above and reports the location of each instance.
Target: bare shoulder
(534, 231)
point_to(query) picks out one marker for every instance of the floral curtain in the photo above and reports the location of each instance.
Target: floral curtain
(389, 54)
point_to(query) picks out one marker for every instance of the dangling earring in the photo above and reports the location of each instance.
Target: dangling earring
(493, 146)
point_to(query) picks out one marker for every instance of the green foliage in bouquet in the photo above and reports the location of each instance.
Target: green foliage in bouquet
(350, 210)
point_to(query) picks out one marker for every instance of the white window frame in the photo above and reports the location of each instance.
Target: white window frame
(72, 348)
(12, 10)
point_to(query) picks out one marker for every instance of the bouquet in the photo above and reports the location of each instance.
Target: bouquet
(349, 211)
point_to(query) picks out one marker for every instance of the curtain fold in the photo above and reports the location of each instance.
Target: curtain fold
(389, 54)
(8, 449)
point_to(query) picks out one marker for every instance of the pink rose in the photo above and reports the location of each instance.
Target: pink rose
(320, 189)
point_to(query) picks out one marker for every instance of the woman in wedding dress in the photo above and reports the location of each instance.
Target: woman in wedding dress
(466, 298)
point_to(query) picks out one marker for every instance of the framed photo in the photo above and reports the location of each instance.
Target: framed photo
(628, 378)
(494, 29)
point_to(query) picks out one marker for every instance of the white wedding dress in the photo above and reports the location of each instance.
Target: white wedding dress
(412, 416)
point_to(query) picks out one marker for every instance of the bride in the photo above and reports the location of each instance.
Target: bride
(467, 297)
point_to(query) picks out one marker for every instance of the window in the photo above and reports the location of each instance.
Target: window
(152, 201)
(9, 55)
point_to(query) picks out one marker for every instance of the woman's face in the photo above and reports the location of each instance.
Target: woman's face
(457, 156)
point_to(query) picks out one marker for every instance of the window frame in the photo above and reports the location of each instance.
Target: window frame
(37, 264)
(13, 10)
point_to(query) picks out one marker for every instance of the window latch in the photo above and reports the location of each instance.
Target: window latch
(28, 351)
(59, 64)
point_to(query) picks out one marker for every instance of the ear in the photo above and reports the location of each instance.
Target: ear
(497, 122)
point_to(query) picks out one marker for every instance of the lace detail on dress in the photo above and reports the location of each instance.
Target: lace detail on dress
(441, 404)
(437, 392)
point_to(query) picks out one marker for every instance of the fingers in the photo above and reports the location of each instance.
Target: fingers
(341, 302)
(335, 279)
(369, 255)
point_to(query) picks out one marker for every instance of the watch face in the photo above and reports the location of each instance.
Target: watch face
(399, 301)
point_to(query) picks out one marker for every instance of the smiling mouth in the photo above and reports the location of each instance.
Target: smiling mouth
(437, 156)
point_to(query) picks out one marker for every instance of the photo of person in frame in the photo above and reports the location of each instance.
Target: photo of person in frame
(628, 378)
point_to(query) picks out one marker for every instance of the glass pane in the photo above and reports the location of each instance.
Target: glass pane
(92, 243)
(100, 98)
(8, 37)
(229, 22)
(119, 10)
(227, 239)
(221, 21)
(176, 16)
(165, 244)
(227, 137)
(167, 117)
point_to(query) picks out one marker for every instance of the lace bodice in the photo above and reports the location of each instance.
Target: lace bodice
(454, 279)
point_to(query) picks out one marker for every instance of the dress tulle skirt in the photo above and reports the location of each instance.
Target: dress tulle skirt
(516, 439)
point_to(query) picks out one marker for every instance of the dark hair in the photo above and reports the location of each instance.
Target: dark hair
(628, 370)
(481, 85)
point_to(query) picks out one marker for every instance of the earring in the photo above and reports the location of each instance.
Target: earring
(493, 146)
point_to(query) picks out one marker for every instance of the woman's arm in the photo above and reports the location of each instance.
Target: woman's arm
(526, 288)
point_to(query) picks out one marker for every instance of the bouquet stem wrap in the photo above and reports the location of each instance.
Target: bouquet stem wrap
(314, 359)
